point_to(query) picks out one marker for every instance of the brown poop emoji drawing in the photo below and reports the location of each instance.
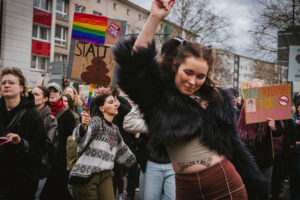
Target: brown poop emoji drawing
(96, 73)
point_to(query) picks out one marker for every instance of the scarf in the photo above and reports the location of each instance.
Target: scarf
(57, 106)
(250, 133)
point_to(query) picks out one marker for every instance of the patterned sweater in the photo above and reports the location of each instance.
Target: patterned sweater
(106, 148)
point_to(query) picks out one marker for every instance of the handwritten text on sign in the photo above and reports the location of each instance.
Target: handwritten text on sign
(267, 102)
(90, 57)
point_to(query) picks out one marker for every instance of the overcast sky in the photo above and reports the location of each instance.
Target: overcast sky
(239, 11)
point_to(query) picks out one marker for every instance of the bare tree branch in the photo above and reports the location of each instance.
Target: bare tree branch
(197, 16)
(271, 16)
(222, 73)
(266, 71)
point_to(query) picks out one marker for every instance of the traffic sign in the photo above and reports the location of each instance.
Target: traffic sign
(57, 64)
(58, 67)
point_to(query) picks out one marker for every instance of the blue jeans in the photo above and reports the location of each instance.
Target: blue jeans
(141, 185)
(159, 182)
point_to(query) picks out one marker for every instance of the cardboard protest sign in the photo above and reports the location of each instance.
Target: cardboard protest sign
(90, 57)
(267, 102)
(246, 85)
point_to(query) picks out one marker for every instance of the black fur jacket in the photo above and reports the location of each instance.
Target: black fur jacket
(172, 116)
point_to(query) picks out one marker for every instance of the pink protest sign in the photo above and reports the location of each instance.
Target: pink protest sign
(267, 102)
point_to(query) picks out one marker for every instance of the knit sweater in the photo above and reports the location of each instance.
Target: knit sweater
(107, 147)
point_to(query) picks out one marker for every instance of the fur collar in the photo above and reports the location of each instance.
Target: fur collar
(177, 117)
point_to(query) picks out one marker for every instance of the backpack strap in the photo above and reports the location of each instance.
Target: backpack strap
(15, 120)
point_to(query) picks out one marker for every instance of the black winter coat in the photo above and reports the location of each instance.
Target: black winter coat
(118, 120)
(66, 125)
(56, 186)
(263, 149)
(172, 116)
(50, 122)
(289, 143)
(19, 163)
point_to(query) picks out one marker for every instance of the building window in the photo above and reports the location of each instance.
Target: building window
(140, 17)
(128, 11)
(62, 7)
(60, 57)
(41, 33)
(137, 30)
(97, 13)
(128, 29)
(43, 4)
(98, 1)
(34, 31)
(115, 6)
(61, 35)
(39, 62)
(79, 8)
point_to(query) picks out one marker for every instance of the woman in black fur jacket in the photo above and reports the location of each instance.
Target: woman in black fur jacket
(188, 114)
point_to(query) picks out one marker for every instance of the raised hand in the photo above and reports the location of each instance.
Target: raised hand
(161, 8)
(271, 124)
(85, 120)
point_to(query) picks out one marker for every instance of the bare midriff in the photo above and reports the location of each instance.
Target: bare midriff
(196, 166)
(192, 156)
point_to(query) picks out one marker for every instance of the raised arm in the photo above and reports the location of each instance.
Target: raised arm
(159, 10)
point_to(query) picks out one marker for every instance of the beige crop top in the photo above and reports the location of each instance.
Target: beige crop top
(190, 151)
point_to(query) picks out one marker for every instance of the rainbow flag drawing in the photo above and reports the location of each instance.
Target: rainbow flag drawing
(89, 28)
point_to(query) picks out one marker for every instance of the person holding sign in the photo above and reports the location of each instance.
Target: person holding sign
(99, 145)
(259, 136)
(187, 113)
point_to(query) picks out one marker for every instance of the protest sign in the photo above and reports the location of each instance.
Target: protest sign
(267, 102)
(90, 57)
(246, 85)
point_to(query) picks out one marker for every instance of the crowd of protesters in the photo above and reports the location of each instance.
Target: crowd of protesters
(176, 136)
(43, 124)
